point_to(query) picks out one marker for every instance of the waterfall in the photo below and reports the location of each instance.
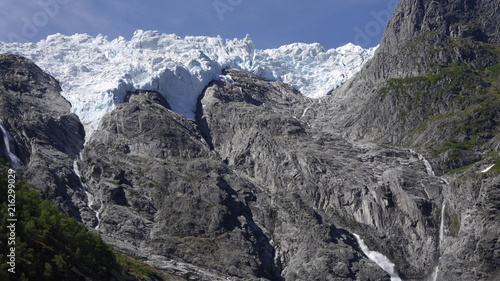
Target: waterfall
(7, 139)
(205, 142)
(379, 259)
(441, 237)
(90, 197)
(428, 166)
(487, 169)
(305, 111)
(441, 226)
(435, 274)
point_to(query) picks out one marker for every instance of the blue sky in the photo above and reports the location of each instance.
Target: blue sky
(270, 24)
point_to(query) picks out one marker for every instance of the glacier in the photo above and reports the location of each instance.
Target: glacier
(96, 73)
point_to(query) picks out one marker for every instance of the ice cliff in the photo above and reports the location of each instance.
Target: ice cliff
(96, 73)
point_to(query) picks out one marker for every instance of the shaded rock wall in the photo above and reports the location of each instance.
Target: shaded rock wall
(46, 136)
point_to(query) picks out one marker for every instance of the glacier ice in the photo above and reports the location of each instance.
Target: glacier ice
(96, 73)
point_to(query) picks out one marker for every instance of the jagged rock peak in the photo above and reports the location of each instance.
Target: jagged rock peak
(20, 73)
(420, 26)
(456, 18)
(141, 96)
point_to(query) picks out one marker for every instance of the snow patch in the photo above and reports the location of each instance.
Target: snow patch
(488, 169)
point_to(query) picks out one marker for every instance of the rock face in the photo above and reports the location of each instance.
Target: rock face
(431, 83)
(383, 194)
(46, 137)
(160, 193)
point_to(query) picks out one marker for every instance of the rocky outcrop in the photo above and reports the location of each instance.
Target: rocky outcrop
(161, 194)
(46, 137)
(430, 84)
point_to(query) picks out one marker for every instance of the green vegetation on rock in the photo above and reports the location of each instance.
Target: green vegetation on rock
(51, 246)
(462, 96)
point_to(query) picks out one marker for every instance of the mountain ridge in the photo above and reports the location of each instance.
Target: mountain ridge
(431, 84)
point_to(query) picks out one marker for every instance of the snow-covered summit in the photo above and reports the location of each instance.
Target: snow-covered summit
(96, 73)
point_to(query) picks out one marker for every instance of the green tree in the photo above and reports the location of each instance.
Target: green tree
(49, 245)
(48, 273)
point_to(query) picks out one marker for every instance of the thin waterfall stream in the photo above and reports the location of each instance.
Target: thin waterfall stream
(90, 197)
(379, 259)
(7, 139)
(441, 237)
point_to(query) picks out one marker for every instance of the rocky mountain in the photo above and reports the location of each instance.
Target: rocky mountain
(226, 195)
(432, 84)
(257, 181)
(40, 135)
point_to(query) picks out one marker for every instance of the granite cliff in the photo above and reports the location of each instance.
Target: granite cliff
(433, 84)
(42, 133)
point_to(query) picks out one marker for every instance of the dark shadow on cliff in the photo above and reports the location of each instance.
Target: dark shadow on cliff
(268, 268)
